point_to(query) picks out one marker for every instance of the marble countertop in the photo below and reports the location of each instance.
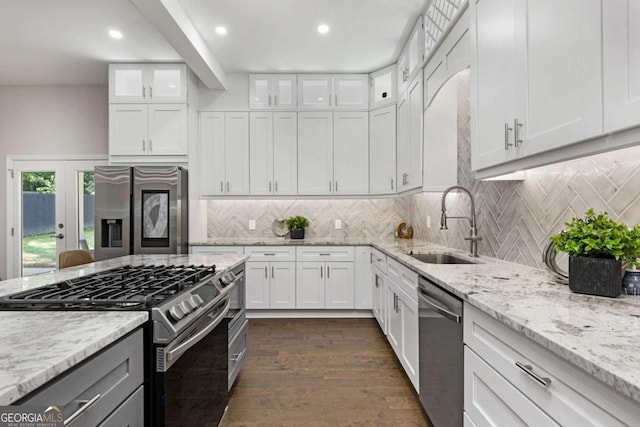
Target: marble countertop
(279, 241)
(39, 345)
(597, 334)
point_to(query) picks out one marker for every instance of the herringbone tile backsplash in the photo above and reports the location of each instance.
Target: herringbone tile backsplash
(515, 219)
(360, 217)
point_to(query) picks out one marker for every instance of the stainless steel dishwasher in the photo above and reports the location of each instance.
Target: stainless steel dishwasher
(441, 350)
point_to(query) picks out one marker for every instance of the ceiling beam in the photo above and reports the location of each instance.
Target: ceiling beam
(169, 18)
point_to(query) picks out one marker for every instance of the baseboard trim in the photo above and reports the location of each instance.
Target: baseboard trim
(308, 314)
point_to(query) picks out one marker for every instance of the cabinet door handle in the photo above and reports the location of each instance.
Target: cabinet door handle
(221, 186)
(329, 100)
(150, 92)
(328, 271)
(528, 369)
(276, 186)
(336, 186)
(144, 145)
(370, 257)
(392, 183)
(507, 144)
(144, 93)
(335, 99)
(516, 132)
(150, 145)
(275, 99)
(269, 186)
(265, 272)
(321, 272)
(227, 186)
(269, 99)
(330, 187)
(272, 271)
(394, 302)
(86, 404)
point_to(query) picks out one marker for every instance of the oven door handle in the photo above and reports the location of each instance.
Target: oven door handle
(177, 352)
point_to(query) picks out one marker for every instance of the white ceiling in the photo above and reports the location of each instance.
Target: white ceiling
(66, 41)
(280, 35)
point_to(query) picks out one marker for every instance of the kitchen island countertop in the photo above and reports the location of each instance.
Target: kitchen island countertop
(37, 346)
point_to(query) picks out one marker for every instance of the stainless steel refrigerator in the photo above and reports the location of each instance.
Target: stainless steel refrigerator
(140, 210)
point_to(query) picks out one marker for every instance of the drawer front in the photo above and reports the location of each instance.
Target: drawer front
(217, 250)
(324, 253)
(271, 253)
(378, 259)
(238, 352)
(572, 397)
(490, 400)
(112, 374)
(129, 414)
(405, 278)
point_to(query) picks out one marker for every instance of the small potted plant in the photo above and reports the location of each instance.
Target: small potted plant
(597, 245)
(296, 225)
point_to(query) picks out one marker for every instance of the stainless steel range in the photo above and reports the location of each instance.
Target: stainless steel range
(191, 308)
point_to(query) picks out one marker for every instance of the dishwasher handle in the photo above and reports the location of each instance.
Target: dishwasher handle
(442, 311)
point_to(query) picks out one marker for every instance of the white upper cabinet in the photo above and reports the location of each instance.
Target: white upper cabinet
(333, 153)
(493, 97)
(621, 64)
(315, 153)
(383, 87)
(140, 83)
(537, 81)
(382, 149)
(272, 91)
(315, 92)
(560, 74)
(412, 57)
(409, 137)
(224, 143)
(351, 152)
(328, 92)
(148, 129)
(351, 91)
(273, 153)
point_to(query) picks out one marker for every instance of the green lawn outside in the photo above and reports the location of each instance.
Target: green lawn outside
(39, 250)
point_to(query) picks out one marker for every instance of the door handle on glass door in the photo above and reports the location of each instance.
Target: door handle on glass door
(60, 236)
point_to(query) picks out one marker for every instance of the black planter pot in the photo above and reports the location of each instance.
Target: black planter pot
(595, 276)
(297, 233)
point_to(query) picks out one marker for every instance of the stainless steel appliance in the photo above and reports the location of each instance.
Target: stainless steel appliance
(441, 354)
(238, 327)
(140, 210)
(186, 339)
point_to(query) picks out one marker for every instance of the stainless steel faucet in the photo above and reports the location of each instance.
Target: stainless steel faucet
(473, 237)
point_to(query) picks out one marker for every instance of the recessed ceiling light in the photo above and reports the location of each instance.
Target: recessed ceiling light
(323, 28)
(115, 34)
(221, 30)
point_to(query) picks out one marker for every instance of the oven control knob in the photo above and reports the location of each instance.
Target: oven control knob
(196, 301)
(186, 306)
(228, 278)
(176, 313)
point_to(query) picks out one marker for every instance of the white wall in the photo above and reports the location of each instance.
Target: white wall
(40, 120)
(235, 98)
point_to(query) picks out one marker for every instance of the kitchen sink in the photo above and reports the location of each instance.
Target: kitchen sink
(443, 258)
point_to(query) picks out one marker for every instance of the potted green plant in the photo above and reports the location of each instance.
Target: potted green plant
(296, 225)
(597, 245)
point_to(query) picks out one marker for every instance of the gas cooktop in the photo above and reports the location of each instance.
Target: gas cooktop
(139, 287)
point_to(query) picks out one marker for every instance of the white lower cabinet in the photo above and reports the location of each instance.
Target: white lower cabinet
(380, 298)
(324, 285)
(310, 284)
(271, 277)
(401, 309)
(362, 290)
(512, 381)
(270, 285)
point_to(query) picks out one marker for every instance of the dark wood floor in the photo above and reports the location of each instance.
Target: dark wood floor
(321, 372)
